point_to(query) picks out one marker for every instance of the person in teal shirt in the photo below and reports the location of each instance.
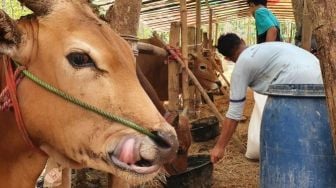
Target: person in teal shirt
(268, 27)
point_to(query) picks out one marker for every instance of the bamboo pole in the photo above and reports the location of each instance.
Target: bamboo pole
(198, 27)
(205, 40)
(173, 69)
(184, 39)
(216, 33)
(191, 39)
(212, 106)
(210, 29)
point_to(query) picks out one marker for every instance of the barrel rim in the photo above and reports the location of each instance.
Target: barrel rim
(296, 90)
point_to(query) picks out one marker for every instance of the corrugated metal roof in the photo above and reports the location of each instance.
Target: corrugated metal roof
(158, 14)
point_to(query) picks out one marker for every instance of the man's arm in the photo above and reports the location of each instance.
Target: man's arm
(228, 128)
(271, 34)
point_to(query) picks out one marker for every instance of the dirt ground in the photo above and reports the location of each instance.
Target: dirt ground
(233, 171)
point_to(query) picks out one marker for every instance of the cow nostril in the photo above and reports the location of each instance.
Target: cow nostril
(160, 140)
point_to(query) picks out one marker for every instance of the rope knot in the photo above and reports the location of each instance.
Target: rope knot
(5, 100)
(176, 55)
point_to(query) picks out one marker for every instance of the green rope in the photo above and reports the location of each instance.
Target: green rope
(84, 105)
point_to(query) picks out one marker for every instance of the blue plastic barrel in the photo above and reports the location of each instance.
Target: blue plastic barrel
(295, 141)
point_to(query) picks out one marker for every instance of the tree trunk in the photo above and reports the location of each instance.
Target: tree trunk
(298, 13)
(307, 28)
(324, 26)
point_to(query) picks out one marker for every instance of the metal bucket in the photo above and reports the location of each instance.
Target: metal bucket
(296, 145)
(197, 175)
(205, 129)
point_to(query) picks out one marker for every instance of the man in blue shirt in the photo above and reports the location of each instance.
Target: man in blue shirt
(268, 27)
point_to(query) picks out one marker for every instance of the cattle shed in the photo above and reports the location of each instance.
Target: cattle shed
(158, 14)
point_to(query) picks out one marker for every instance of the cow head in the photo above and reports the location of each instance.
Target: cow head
(66, 45)
(205, 72)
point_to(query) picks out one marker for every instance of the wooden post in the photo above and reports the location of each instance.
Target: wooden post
(307, 28)
(184, 39)
(205, 40)
(210, 30)
(124, 16)
(324, 26)
(173, 69)
(191, 39)
(199, 46)
(192, 90)
(198, 27)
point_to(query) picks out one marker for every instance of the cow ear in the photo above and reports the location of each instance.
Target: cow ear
(10, 37)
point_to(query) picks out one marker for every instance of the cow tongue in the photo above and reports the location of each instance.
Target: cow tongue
(127, 154)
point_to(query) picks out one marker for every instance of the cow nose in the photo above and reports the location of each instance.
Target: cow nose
(167, 145)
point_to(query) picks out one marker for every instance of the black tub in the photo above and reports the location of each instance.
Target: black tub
(198, 174)
(205, 129)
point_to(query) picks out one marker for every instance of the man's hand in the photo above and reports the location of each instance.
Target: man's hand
(217, 154)
(228, 128)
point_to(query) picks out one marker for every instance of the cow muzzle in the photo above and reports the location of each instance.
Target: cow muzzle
(142, 155)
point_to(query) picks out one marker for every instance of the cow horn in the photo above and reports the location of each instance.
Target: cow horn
(40, 7)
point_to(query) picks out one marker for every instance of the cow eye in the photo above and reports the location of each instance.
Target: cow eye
(80, 60)
(203, 67)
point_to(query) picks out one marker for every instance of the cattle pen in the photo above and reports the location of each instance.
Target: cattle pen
(174, 43)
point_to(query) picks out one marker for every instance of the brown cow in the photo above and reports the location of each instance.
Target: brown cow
(66, 45)
(155, 69)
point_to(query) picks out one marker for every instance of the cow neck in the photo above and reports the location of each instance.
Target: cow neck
(20, 166)
(12, 80)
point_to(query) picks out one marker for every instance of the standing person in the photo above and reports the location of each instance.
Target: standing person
(261, 67)
(267, 25)
(268, 29)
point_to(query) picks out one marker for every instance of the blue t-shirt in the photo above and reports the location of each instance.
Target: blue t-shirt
(265, 19)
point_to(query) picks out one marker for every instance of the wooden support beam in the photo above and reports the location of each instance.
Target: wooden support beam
(210, 30)
(198, 27)
(184, 39)
(191, 49)
(173, 69)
